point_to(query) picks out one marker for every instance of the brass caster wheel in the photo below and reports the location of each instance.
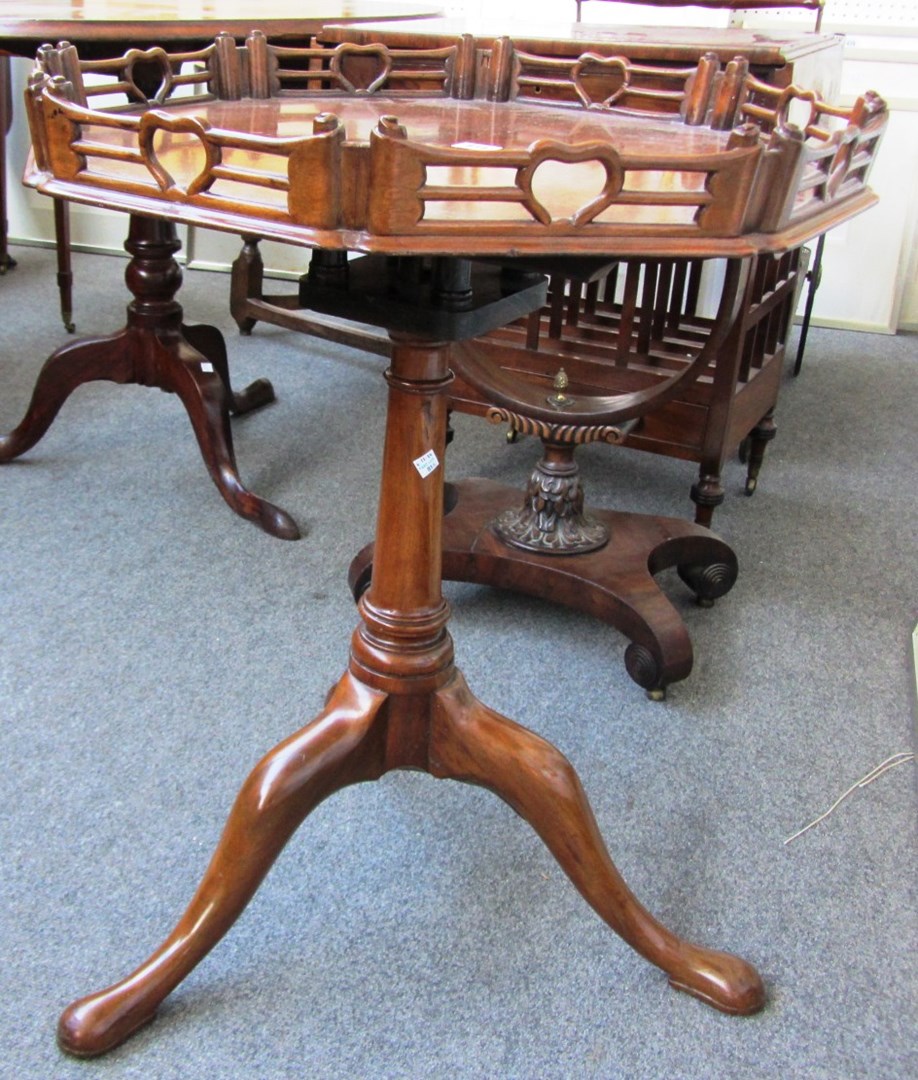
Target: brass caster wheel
(644, 668)
(710, 582)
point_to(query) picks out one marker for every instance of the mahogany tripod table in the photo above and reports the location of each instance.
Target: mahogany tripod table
(425, 182)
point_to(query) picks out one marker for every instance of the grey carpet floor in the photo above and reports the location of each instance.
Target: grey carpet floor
(153, 647)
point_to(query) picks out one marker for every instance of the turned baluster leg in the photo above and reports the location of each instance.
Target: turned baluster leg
(402, 645)
(64, 262)
(759, 438)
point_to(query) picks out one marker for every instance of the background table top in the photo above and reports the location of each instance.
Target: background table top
(26, 24)
(564, 38)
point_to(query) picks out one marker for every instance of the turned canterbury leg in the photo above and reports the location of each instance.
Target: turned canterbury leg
(246, 283)
(759, 438)
(402, 704)
(64, 262)
(707, 494)
(154, 349)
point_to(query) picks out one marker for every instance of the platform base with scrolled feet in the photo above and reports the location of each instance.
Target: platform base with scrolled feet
(156, 349)
(361, 734)
(615, 584)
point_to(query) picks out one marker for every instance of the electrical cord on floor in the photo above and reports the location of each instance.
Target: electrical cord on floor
(884, 766)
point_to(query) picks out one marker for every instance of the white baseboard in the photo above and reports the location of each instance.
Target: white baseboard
(852, 324)
(224, 268)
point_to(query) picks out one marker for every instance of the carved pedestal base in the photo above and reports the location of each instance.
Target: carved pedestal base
(552, 520)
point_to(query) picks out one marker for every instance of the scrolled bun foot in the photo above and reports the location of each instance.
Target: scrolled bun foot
(709, 582)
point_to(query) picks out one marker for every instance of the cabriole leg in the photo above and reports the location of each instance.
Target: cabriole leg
(471, 742)
(340, 747)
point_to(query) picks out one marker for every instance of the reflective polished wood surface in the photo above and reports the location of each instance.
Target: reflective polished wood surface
(809, 59)
(476, 128)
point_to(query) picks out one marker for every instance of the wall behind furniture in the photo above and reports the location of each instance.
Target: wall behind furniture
(881, 53)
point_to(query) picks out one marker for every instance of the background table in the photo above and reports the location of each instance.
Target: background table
(98, 24)
(811, 60)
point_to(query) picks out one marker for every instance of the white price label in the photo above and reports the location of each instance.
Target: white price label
(426, 463)
(207, 366)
